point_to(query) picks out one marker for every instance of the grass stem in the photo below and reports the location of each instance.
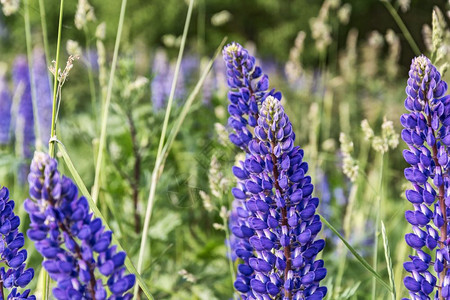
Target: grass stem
(402, 26)
(96, 186)
(159, 156)
(37, 128)
(51, 146)
(377, 227)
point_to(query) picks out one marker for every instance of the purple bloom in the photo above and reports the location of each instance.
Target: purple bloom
(277, 223)
(75, 245)
(25, 119)
(248, 87)
(5, 111)
(11, 242)
(44, 94)
(427, 134)
(163, 73)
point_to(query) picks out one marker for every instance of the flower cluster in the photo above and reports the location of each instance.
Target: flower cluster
(350, 165)
(427, 134)
(388, 139)
(248, 87)
(164, 73)
(44, 94)
(5, 110)
(74, 244)
(11, 242)
(274, 225)
(25, 119)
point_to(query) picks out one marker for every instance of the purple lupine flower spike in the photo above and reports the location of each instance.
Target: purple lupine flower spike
(25, 120)
(161, 84)
(5, 110)
(427, 134)
(158, 84)
(11, 241)
(248, 86)
(276, 224)
(44, 94)
(282, 223)
(75, 245)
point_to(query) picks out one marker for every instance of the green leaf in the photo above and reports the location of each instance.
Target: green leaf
(387, 253)
(361, 260)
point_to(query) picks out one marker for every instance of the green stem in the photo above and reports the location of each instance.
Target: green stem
(96, 186)
(230, 262)
(377, 226)
(347, 229)
(402, 26)
(159, 156)
(44, 31)
(37, 129)
(51, 145)
(362, 261)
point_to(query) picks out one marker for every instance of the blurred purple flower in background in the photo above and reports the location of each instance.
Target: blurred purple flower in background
(44, 94)
(5, 110)
(163, 74)
(24, 123)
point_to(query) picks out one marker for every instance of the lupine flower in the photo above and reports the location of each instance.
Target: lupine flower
(248, 87)
(44, 94)
(161, 84)
(25, 120)
(427, 134)
(276, 224)
(5, 111)
(11, 241)
(76, 248)
(281, 224)
(24, 123)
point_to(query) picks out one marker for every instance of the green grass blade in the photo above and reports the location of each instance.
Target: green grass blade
(175, 77)
(44, 31)
(128, 264)
(387, 253)
(187, 106)
(377, 225)
(361, 260)
(159, 157)
(402, 26)
(51, 146)
(98, 166)
(159, 164)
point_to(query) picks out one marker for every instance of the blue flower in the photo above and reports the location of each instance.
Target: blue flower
(276, 225)
(427, 134)
(163, 74)
(248, 86)
(75, 245)
(25, 119)
(44, 94)
(11, 242)
(5, 111)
